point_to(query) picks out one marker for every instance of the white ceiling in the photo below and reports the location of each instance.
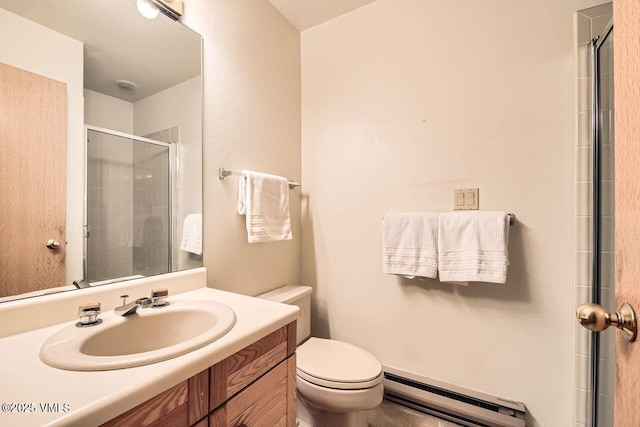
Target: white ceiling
(151, 55)
(119, 43)
(305, 14)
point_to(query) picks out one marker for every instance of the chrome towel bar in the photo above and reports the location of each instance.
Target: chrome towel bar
(222, 174)
(511, 216)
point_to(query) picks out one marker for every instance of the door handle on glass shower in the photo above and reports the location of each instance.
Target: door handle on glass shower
(596, 318)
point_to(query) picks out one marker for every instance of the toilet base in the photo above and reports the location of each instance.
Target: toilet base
(310, 416)
(326, 407)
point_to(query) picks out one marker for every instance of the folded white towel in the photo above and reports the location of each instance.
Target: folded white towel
(264, 199)
(409, 244)
(192, 234)
(473, 246)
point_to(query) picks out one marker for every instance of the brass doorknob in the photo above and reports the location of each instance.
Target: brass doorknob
(596, 318)
(53, 244)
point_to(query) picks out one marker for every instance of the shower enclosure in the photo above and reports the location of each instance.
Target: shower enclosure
(128, 218)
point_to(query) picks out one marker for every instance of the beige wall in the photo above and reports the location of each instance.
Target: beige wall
(251, 121)
(403, 101)
(107, 112)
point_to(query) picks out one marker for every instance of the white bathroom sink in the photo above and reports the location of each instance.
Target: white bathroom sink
(150, 335)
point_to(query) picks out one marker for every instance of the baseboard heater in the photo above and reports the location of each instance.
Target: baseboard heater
(449, 402)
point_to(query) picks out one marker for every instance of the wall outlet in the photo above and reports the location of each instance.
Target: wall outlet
(466, 199)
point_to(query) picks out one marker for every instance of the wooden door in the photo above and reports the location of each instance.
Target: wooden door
(626, 18)
(33, 141)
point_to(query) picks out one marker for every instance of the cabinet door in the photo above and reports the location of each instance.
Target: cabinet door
(236, 372)
(168, 408)
(182, 405)
(268, 402)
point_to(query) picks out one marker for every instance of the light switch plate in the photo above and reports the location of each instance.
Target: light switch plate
(466, 199)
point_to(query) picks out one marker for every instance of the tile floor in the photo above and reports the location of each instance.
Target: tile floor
(390, 414)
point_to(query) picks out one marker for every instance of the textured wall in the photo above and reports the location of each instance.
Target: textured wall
(251, 121)
(404, 101)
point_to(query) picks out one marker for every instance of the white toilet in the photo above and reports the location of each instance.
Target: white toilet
(336, 380)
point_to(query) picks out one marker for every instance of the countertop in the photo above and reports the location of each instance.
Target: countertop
(35, 394)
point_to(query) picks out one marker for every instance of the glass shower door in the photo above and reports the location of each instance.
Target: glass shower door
(128, 206)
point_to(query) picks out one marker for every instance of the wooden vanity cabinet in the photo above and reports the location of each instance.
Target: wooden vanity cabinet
(254, 387)
(181, 405)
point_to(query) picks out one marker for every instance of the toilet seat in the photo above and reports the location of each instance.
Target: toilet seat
(337, 365)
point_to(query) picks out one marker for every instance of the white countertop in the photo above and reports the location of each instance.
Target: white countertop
(91, 398)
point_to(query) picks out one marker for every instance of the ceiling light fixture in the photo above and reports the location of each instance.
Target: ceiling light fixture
(147, 9)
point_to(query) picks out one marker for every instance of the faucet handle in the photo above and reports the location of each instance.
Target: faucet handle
(88, 314)
(144, 302)
(158, 296)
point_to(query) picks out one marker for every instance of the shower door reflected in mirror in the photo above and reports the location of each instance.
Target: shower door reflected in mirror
(128, 206)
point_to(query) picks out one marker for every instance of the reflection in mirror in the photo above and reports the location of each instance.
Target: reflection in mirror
(129, 206)
(114, 76)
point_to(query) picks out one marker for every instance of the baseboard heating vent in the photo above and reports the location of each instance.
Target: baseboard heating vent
(449, 402)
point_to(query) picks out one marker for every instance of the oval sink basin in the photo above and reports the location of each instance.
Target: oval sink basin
(150, 335)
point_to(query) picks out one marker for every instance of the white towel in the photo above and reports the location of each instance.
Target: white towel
(192, 234)
(409, 244)
(264, 199)
(473, 246)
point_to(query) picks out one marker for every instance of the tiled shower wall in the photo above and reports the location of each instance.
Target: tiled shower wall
(109, 203)
(151, 210)
(128, 207)
(589, 24)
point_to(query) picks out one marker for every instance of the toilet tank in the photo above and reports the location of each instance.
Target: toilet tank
(299, 296)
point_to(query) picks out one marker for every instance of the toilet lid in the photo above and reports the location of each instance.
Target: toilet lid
(337, 364)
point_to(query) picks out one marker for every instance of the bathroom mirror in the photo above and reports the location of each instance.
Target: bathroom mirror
(134, 102)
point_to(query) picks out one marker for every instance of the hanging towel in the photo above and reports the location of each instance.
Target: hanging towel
(192, 234)
(264, 199)
(409, 244)
(473, 246)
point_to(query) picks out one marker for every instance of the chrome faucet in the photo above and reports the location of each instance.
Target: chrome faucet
(157, 299)
(81, 284)
(127, 309)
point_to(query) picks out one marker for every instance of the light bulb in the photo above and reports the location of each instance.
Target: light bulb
(147, 9)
